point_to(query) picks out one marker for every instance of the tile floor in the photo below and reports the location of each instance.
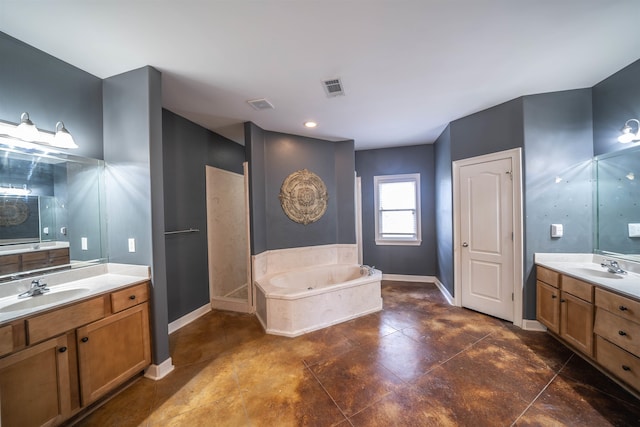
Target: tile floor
(419, 362)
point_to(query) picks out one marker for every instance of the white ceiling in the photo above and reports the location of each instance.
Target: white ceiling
(408, 67)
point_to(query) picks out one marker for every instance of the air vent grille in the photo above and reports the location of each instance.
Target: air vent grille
(261, 104)
(333, 87)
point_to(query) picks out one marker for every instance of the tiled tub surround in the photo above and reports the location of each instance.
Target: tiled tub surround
(95, 280)
(304, 289)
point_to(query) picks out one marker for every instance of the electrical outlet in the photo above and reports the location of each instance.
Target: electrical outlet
(132, 244)
(84, 243)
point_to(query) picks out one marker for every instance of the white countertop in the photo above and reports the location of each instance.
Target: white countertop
(92, 281)
(587, 267)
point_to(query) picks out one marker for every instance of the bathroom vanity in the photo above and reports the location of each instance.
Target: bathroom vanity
(63, 350)
(593, 311)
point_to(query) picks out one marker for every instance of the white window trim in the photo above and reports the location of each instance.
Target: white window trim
(417, 241)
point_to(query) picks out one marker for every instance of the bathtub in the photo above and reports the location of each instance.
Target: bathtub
(295, 302)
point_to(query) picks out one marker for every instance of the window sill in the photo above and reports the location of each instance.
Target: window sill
(381, 242)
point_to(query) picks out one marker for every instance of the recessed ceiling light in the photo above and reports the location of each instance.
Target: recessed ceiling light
(310, 124)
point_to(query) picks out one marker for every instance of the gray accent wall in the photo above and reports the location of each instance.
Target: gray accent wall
(187, 149)
(272, 157)
(444, 209)
(558, 145)
(391, 259)
(50, 90)
(615, 100)
(134, 184)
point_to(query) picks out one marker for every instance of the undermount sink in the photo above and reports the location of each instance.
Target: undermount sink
(597, 273)
(40, 300)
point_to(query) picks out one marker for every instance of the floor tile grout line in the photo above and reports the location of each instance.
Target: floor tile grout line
(542, 391)
(326, 391)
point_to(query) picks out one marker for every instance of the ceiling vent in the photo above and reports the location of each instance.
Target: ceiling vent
(333, 87)
(261, 104)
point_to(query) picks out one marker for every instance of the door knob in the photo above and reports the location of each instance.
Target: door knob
(465, 244)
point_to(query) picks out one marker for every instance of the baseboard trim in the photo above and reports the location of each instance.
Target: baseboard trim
(409, 278)
(533, 325)
(444, 291)
(188, 318)
(157, 372)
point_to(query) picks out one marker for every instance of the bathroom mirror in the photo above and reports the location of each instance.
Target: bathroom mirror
(49, 202)
(618, 204)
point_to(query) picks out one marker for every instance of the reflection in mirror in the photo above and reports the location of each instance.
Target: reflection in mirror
(618, 196)
(50, 210)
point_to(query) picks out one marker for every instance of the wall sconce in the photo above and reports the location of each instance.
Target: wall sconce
(28, 132)
(63, 138)
(627, 134)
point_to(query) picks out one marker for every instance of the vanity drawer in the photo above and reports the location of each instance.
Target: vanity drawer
(9, 264)
(121, 300)
(548, 276)
(64, 319)
(59, 256)
(619, 331)
(621, 306)
(578, 288)
(622, 364)
(6, 340)
(35, 260)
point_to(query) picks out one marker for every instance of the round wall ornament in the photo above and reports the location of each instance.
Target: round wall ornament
(303, 197)
(13, 212)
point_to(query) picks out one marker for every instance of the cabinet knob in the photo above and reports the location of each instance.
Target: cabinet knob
(626, 368)
(622, 333)
(84, 339)
(623, 308)
(563, 300)
(554, 296)
(62, 349)
(132, 297)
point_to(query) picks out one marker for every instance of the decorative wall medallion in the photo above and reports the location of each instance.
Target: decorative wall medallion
(13, 212)
(303, 197)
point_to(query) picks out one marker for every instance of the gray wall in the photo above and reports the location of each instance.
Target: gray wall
(558, 143)
(50, 90)
(615, 100)
(274, 156)
(134, 184)
(409, 260)
(187, 149)
(444, 209)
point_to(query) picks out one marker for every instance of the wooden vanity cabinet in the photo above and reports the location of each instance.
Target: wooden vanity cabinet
(35, 385)
(62, 360)
(565, 307)
(34, 260)
(112, 350)
(617, 329)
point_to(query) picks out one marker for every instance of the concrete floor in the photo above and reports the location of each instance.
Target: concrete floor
(419, 362)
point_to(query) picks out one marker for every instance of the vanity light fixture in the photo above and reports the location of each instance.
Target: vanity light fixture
(13, 191)
(310, 124)
(627, 134)
(26, 130)
(63, 138)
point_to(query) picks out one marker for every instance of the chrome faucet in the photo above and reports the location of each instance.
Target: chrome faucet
(370, 270)
(612, 267)
(38, 287)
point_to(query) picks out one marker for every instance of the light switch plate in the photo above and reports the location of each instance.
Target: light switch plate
(634, 230)
(132, 244)
(84, 243)
(556, 230)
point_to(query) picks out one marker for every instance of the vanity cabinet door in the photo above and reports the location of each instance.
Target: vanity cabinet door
(112, 350)
(576, 323)
(548, 307)
(35, 386)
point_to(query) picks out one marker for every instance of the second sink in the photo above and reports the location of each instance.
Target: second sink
(37, 301)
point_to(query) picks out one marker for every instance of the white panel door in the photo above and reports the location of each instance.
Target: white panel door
(486, 236)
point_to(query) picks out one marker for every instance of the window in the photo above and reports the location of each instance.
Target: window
(397, 204)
